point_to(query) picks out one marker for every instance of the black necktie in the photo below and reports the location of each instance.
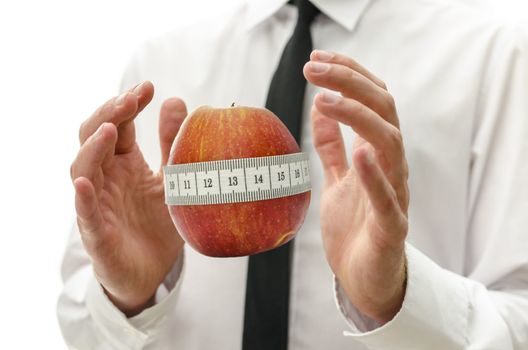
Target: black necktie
(268, 276)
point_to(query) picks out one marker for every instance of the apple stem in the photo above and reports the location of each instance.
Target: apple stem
(233, 104)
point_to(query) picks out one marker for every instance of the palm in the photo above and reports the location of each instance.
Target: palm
(345, 199)
(355, 242)
(137, 221)
(124, 223)
(364, 206)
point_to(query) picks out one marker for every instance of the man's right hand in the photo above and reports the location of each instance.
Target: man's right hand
(124, 223)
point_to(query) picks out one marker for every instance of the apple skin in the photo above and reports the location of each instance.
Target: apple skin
(236, 229)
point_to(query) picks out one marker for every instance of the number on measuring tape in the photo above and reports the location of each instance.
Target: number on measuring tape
(236, 180)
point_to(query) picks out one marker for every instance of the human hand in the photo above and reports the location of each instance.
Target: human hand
(364, 206)
(123, 220)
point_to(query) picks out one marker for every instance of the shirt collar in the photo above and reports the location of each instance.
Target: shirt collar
(345, 12)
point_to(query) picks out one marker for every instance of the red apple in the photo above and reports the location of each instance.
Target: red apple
(236, 229)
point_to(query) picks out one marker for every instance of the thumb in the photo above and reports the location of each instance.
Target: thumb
(89, 217)
(329, 145)
(172, 114)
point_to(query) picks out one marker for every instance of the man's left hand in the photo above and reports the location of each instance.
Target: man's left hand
(363, 206)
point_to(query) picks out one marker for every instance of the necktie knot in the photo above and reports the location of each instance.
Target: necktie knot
(307, 11)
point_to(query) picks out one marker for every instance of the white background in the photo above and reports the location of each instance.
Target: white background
(59, 60)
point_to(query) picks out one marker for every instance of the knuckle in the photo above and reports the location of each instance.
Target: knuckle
(351, 76)
(389, 204)
(401, 228)
(318, 124)
(404, 225)
(403, 197)
(82, 131)
(406, 199)
(350, 62)
(357, 108)
(393, 224)
(390, 99)
(405, 170)
(101, 114)
(75, 167)
(395, 138)
(390, 102)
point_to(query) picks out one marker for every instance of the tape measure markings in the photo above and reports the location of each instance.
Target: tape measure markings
(236, 180)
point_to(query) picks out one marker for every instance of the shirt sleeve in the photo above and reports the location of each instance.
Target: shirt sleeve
(89, 320)
(487, 306)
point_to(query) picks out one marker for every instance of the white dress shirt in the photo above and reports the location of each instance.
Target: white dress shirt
(460, 82)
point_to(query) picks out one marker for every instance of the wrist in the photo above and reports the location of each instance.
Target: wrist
(378, 295)
(392, 306)
(130, 306)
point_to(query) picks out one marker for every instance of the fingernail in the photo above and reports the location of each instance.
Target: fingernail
(99, 131)
(318, 67)
(121, 99)
(138, 88)
(330, 98)
(323, 55)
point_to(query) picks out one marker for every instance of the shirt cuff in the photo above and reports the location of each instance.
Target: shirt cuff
(433, 315)
(132, 333)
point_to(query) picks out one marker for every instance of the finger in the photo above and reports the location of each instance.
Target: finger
(144, 92)
(328, 143)
(173, 112)
(89, 217)
(382, 197)
(353, 85)
(126, 130)
(120, 111)
(333, 57)
(93, 153)
(366, 123)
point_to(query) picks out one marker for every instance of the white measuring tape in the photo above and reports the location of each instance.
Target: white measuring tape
(237, 180)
